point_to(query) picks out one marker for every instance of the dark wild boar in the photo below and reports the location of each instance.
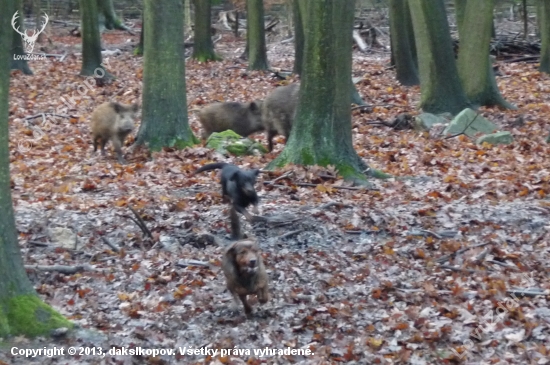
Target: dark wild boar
(242, 118)
(112, 122)
(278, 111)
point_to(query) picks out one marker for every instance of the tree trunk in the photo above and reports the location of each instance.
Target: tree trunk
(164, 117)
(544, 16)
(91, 40)
(17, 53)
(298, 37)
(203, 48)
(255, 33)
(21, 310)
(402, 43)
(187, 19)
(321, 131)
(439, 81)
(474, 63)
(112, 21)
(139, 49)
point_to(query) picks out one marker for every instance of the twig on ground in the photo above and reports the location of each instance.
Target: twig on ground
(68, 270)
(458, 252)
(141, 223)
(288, 234)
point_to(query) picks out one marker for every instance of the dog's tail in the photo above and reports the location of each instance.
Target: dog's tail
(210, 166)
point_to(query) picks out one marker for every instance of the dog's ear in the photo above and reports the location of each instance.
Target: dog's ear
(255, 172)
(233, 176)
(231, 251)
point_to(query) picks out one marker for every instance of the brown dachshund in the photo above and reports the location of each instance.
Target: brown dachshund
(245, 272)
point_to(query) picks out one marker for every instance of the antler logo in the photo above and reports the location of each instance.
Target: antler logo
(29, 40)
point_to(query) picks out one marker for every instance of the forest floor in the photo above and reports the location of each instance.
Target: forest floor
(431, 269)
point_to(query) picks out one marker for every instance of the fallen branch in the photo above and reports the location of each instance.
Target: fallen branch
(43, 115)
(533, 292)
(458, 252)
(141, 224)
(108, 243)
(288, 234)
(68, 270)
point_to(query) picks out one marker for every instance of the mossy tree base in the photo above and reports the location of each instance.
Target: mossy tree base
(203, 49)
(28, 315)
(206, 56)
(321, 131)
(164, 116)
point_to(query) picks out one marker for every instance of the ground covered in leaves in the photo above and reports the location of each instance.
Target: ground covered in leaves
(449, 265)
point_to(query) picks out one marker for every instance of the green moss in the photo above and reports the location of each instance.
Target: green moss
(230, 142)
(28, 315)
(379, 174)
(4, 325)
(207, 56)
(180, 144)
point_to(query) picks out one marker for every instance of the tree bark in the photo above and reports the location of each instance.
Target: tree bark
(21, 310)
(164, 117)
(298, 36)
(474, 63)
(544, 20)
(139, 49)
(439, 81)
(255, 33)
(91, 40)
(321, 131)
(402, 43)
(112, 21)
(203, 48)
(17, 51)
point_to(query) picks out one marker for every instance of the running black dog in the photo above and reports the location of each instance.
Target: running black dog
(238, 187)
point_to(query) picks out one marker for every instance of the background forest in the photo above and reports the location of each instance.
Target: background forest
(404, 206)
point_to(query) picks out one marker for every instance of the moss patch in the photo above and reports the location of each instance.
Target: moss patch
(230, 142)
(28, 315)
(4, 326)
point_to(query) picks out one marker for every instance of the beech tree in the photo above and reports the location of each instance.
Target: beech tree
(403, 47)
(255, 34)
(164, 115)
(544, 23)
(321, 131)
(22, 312)
(91, 39)
(298, 36)
(475, 20)
(440, 84)
(106, 9)
(203, 48)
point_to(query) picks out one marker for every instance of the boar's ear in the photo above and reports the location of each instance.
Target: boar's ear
(117, 107)
(135, 107)
(254, 105)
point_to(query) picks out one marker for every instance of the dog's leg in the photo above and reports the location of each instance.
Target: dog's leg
(247, 307)
(235, 224)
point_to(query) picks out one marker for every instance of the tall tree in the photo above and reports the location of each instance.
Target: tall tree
(544, 21)
(298, 36)
(439, 81)
(321, 131)
(17, 52)
(164, 116)
(107, 10)
(22, 312)
(203, 48)
(475, 19)
(255, 34)
(403, 47)
(91, 40)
